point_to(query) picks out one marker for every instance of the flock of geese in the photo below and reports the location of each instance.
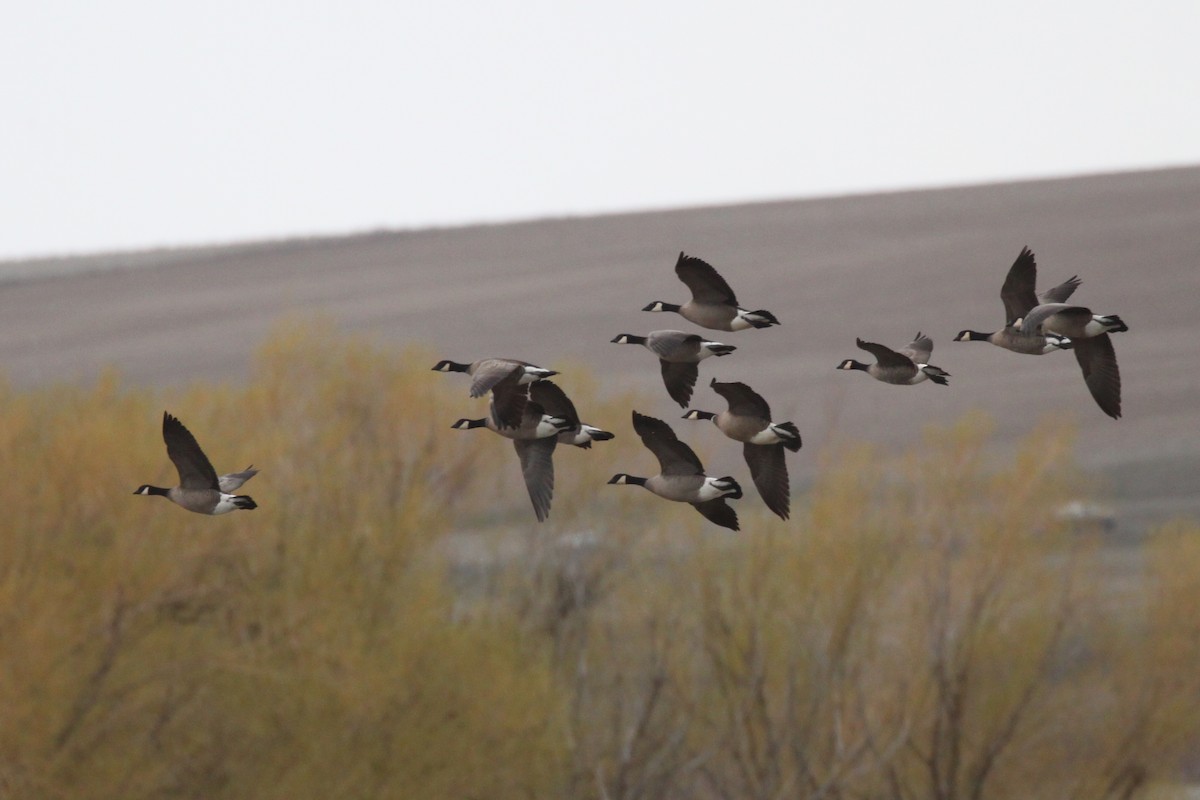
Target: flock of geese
(535, 413)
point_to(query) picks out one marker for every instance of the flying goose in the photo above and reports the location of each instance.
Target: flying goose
(555, 402)
(534, 440)
(681, 475)
(748, 420)
(679, 353)
(199, 489)
(907, 366)
(713, 304)
(506, 378)
(1019, 298)
(1089, 334)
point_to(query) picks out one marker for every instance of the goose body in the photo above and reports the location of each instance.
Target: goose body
(505, 378)
(905, 367)
(200, 489)
(713, 304)
(1019, 295)
(678, 354)
(1090, 337)
(681, 475)
(534, 439)
(748, 420)
(1011, 338)
(1074, 322)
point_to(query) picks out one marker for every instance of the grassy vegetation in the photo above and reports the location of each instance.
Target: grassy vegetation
(922, 628)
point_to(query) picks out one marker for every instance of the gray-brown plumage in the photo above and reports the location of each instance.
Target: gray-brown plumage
(1074, 322)
(534, 440)
(906, 366)
(713, 304)
(1020, 296)
(678, 354)
(506, 378)
(200, 489)
(748, 420)
(681, 476)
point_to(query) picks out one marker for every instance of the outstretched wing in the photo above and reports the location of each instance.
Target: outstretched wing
(491, 371)
(769, 471)
(1098, 361)
(919, 349)
(674, 457)
(195, 470)
(554, 401)
(706, 283)
(718, 511)
(1018, 292)
(743, 401)
(509, 399)
(537, 467)
(1060, 293)
(886, 356)
(234, 480)
(680, 379)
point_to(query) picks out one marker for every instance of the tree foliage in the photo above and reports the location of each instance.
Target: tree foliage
(391, 622)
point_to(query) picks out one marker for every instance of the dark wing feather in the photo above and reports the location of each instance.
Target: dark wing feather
(537, 466)
(886, 356)
(1098, 361)
(509, 399)
(720, 512)
(680, 379)
(674, 457)
(769, 471)
(195, 470)
(1018, 293)
(1060, 293)
(706, 283)
(742, 400)
(554, 401)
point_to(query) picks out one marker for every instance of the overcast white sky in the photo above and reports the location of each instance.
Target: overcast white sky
(134, 123)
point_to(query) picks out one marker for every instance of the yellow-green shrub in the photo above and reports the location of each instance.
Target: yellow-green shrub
(923, 627)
